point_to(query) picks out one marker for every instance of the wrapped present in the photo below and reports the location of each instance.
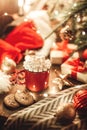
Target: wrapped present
(40, 116)
(75, 68)
(60, 53)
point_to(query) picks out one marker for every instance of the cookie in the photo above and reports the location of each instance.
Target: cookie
(10, 102)
(24, 98)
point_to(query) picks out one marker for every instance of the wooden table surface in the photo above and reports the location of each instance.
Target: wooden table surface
(5, 113)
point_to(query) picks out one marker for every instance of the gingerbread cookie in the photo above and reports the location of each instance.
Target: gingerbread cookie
(10, 102)
(24, 98)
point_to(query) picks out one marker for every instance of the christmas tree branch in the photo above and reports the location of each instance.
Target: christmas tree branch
(77, 7)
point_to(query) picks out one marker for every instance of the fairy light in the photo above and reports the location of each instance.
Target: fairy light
(83, 33)
(56, 13)
(78, 19)
(75, 4)
(25, 19)
(45, 95)
(5, 13)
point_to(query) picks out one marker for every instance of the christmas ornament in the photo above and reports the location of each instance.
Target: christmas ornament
(80, 100)
(66, 33)
(84, 55)
(66, 113)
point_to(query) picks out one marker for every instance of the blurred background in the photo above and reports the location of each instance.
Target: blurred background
(10, 6)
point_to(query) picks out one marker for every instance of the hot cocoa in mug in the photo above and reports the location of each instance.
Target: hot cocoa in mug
(37, 70)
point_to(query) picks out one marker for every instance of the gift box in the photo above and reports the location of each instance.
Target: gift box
(40, 116)
(60, 52)
(75, 68)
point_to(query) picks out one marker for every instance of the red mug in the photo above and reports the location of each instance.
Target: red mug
(36, 81)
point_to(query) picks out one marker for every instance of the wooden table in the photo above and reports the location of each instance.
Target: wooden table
(5, 113)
